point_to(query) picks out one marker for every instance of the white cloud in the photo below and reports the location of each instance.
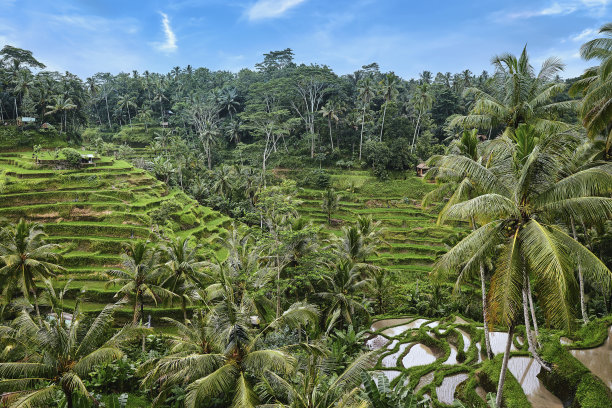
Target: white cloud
(586, 34)
(170, 44)
(263, 9)
(560, 8)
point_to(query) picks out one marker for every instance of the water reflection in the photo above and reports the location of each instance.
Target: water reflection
(525, 370)
(598, 360)
(446, 390)
(418, 355)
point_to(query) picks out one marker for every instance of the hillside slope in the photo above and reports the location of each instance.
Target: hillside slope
(95, 210)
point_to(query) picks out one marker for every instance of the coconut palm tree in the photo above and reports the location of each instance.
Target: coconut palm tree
(23, 83)
(330, 202)
(26, 258)
(219, 354)
(183, 271)
(126, 102)
(344, 284)
(388, 87)
(456, 188)
(330, 112)
(367, 90)
(139, 277)
(229, 101)
(521, 197)
(311, 385)
(59, 355)
(62, 105)
(524, 97)
(596, 86)
(422, 101)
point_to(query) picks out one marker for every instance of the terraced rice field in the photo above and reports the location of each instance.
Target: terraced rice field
(442, 360)
(94, 211)
(413, 240)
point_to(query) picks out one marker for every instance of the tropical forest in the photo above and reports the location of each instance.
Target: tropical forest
(284, 235)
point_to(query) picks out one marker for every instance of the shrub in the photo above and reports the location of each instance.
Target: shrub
(71, 157)
(317, 178)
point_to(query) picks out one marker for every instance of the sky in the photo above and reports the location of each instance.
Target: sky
(403, 36)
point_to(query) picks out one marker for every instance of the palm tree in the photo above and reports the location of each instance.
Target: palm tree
(389, 92)
(522, 195)
(330, 112)
(126, 102)
(353, 245)
(26, 258)
(381, 395)
(219, 354)
(229, 101)
(139, 277)
(58, 356)
(23, 83)
(312, 386)
(224, 181)
(524, 97)
(344, 285)
(159, 96)
(422, 101)
(330, 202)
(456, 188)
(105, 91)
(62, 105)
(596, 86)
(183, 271)
(367, 91)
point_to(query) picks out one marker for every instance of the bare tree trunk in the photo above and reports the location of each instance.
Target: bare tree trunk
(533, 315)
(107, 112)
(136, 311)
(530, 342)
(184, 307)
(331, 139)
(383, 121)
(416, 129)
(585, 316)
(504, 368)
(485, 318)
(361, 137)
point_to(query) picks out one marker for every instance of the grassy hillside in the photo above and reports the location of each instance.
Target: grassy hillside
(414, 241)
(94, 210)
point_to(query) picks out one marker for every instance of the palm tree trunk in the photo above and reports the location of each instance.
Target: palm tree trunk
(530, 342)
(184, 308)
(68, 395)
(533, 315)
(383, 121)
(16, 111)
(136, 314)
(416, 129)
(278, 289)
(331, 139)
(361, 137)
(107, 112)
(129, 117)
(485, 318)
(585, 316)
(483, 289)
(504, 368)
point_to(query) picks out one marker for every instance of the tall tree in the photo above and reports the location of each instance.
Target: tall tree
(26, 258)
(388, 87)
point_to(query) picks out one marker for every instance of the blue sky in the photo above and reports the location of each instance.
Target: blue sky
(403, 36)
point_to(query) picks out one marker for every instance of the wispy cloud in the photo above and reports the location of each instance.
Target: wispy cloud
(584, 35)
(170, 44)
(559, 8)
(264, 9)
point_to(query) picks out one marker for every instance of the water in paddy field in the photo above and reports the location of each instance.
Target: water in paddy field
(466, 339)
(598, 359)
(525, 370)
(498, 342)
(446, 390)
(425, 380)
(391, 359)
(395, 331)
(418, 355)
